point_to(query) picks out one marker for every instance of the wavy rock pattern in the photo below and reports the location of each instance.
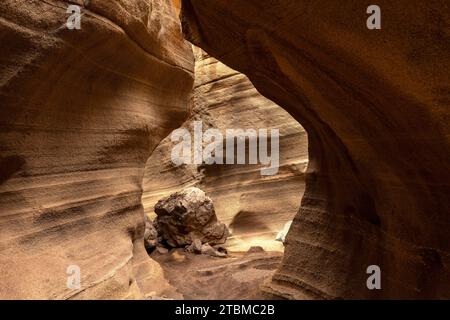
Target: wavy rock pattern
(375, 105)
(255, 207)
(81, 111)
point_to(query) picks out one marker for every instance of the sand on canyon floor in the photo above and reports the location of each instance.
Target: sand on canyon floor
(202, 277)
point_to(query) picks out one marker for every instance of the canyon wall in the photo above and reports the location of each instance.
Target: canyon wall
(375, 104)
(255, 207)
(81, 111)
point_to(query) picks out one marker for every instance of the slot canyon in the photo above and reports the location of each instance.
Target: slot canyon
(86, 123)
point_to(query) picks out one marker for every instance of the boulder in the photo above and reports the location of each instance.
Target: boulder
(188, 215)
(260, 207)
(210, 251)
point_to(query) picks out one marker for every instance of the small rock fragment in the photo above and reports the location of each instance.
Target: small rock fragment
(221, 248)
(177, 256)
(256, 249)
(208, 250)
(162, 250)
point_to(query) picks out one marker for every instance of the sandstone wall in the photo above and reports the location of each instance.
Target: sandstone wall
(81, 111)
(375, 105)
(255, 207)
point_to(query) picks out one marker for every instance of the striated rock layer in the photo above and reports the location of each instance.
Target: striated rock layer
(254, 207)
(81, 111)
(375, 105)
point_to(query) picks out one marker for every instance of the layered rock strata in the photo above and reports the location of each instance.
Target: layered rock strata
(375, 104)
(255, 207)
(81, 111)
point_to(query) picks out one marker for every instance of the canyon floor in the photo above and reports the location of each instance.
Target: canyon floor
(204, 277)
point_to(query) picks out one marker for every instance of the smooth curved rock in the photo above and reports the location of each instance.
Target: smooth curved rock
(81, 111)
(375, 104)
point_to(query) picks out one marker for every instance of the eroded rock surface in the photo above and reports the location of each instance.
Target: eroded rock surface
(375, 105)
(81, 112)
(254, 207)
(187, 216)
(204, 277)
(150, 235)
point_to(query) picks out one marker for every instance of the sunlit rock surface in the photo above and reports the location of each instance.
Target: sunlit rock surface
(375, 104)
(81, 111)
(255, 207)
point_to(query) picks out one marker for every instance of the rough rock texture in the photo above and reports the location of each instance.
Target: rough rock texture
(375, 105)
(195, 247)
(254, 207)
(208, 250)
(188, 215)
(81, 112)
(150, 235)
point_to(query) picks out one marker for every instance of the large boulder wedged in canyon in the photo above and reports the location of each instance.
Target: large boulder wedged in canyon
(187, 216)
(375, 104)
(81, 111)
(255, 207)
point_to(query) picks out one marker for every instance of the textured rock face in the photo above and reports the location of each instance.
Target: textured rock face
(81, 111)
(186, 216)
(375, 105)
(150, 235)
(254, 207)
